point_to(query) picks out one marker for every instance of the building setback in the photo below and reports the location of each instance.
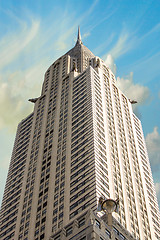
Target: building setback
(81, 142)
(90, 226)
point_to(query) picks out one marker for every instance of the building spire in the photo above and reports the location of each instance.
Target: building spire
(79, 41)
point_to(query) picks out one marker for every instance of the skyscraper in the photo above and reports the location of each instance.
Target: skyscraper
(81, 142)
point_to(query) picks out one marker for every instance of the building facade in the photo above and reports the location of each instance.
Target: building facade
(81, 142)
(88, 226)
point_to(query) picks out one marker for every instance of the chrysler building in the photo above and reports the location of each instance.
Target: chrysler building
(81, 142)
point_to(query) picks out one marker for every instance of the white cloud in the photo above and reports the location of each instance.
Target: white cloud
(5, 162)
(133, 91)
(23, 63)
(153, 146)
(15, 90)
(110, 63)
(12, 105)
(22, 66)
(157, 187)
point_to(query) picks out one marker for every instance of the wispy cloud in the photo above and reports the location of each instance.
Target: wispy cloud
(18, 83)
(11, 46)
(100, 48)
(120, 47)
(128, 41)
(155, 29)
(69, 27)
(17, 79)
(124, 43)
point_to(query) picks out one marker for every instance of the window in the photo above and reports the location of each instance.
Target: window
(121, 236)
(61, 199)
(62, 192)
(61, 215)
(108, 233)
(45, 204)
(37, 224)
(115, 230)
(36, 232)
(69, 231)
(55, 203)
(55, 211)
(81, 222)
(44, 212)
(57, 237)
(83, 238)
(61, 207)
(42, 236)
(97, 223)
(54, 220)
(43, 220)
(26, 232)
(60, 224)
(20, 236)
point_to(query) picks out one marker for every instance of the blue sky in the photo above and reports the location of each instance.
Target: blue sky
(124, 33)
